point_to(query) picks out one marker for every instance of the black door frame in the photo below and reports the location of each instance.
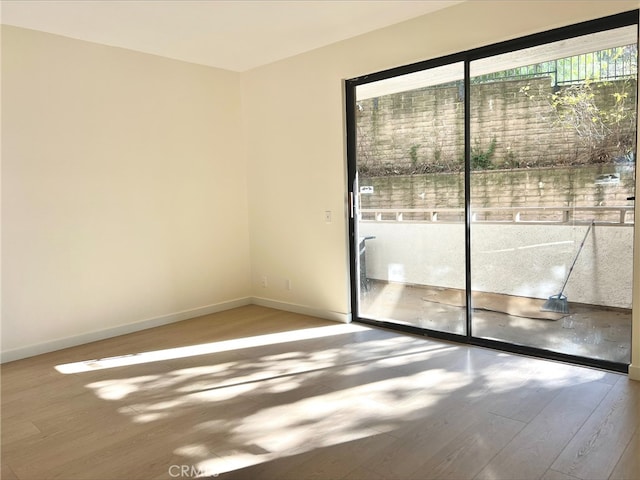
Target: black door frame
(593, 26)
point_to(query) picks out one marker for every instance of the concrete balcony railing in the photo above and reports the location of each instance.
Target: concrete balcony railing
(514, 251)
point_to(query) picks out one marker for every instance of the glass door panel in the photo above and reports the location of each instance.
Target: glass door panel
(409, 189)
(552, 135)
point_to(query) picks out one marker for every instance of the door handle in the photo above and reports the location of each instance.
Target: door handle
(351, 204)
(631, 198)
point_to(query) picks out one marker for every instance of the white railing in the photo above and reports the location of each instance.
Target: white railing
(621, 215)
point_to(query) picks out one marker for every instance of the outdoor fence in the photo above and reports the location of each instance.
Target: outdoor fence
(621, 216)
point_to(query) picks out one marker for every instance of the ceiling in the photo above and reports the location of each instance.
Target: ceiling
(234, 35)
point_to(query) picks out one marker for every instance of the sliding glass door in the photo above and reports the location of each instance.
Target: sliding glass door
(409, 187)
(492, 194)
(552, 133)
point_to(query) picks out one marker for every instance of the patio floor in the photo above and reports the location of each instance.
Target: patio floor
(588, 331)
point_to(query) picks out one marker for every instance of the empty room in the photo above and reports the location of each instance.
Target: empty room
(328, 240)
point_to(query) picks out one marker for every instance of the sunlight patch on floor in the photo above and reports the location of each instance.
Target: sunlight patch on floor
(328, 419)
(207, 348)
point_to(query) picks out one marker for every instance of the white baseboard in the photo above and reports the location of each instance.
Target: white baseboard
(59, 344)
(302, 309)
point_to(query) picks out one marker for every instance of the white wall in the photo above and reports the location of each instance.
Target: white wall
(513, 259)
(123, 191)
(293, 111)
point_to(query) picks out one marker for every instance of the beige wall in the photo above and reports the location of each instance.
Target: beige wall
(124, 198)
(293, 111)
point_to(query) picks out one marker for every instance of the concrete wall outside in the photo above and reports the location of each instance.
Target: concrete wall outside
(513, 259)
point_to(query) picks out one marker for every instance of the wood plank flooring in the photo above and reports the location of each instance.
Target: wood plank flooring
(256, 393)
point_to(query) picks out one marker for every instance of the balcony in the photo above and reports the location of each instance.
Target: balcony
(522, 256)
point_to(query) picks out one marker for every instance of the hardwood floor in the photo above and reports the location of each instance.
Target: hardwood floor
(255, 393)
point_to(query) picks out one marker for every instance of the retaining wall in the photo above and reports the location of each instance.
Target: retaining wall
(426, 125)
